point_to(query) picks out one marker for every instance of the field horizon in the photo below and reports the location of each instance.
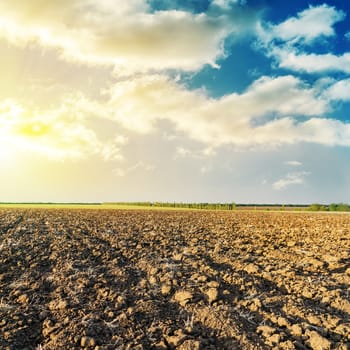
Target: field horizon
(340, 207)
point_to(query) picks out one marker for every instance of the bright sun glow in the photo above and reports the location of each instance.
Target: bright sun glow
(7, 152)
(33, 129)
(54, 136)
(19, 131)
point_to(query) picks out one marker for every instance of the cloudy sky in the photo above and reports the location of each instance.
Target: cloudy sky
(175, 100)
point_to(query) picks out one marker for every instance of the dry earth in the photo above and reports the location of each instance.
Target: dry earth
(104, 279)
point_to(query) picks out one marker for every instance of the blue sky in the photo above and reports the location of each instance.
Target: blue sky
(213, 100)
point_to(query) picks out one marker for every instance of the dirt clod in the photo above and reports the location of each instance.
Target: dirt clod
(183, 297)
(166, 289)
(87, 342)
(212, 294)
(317, 342)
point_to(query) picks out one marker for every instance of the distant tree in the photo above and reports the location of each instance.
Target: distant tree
(339, 207)
(333, 207)
(317, 207)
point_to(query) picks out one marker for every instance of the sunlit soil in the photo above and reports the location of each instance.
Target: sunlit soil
(119, 279)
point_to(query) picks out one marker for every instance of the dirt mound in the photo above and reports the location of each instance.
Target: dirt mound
(104, 279)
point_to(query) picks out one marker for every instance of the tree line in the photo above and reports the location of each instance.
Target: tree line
(211, 206)
(330, 207)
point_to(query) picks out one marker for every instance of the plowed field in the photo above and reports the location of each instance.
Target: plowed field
(113, 279)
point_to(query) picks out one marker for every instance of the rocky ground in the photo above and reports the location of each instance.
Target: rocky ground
(104, 279)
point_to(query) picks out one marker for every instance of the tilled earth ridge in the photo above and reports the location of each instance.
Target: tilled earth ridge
(113, 279)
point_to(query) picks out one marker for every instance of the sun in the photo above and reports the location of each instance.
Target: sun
(33, 129)
(19, 131)
(24, 131)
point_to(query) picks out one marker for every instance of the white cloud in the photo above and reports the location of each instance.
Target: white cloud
(182, 152)
(285, 42)
(339, 91)
(226, 4)
(128, 36)
(139, 166)
(293, 163)
(265, 114)
(296, 178)
(111, 150)
(311, 63)
(307, 26)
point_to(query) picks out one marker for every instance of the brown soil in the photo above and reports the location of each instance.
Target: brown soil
(104, 279)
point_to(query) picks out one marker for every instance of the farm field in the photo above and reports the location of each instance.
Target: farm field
(188, 280)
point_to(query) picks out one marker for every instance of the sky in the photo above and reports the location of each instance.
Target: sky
(244, 101)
